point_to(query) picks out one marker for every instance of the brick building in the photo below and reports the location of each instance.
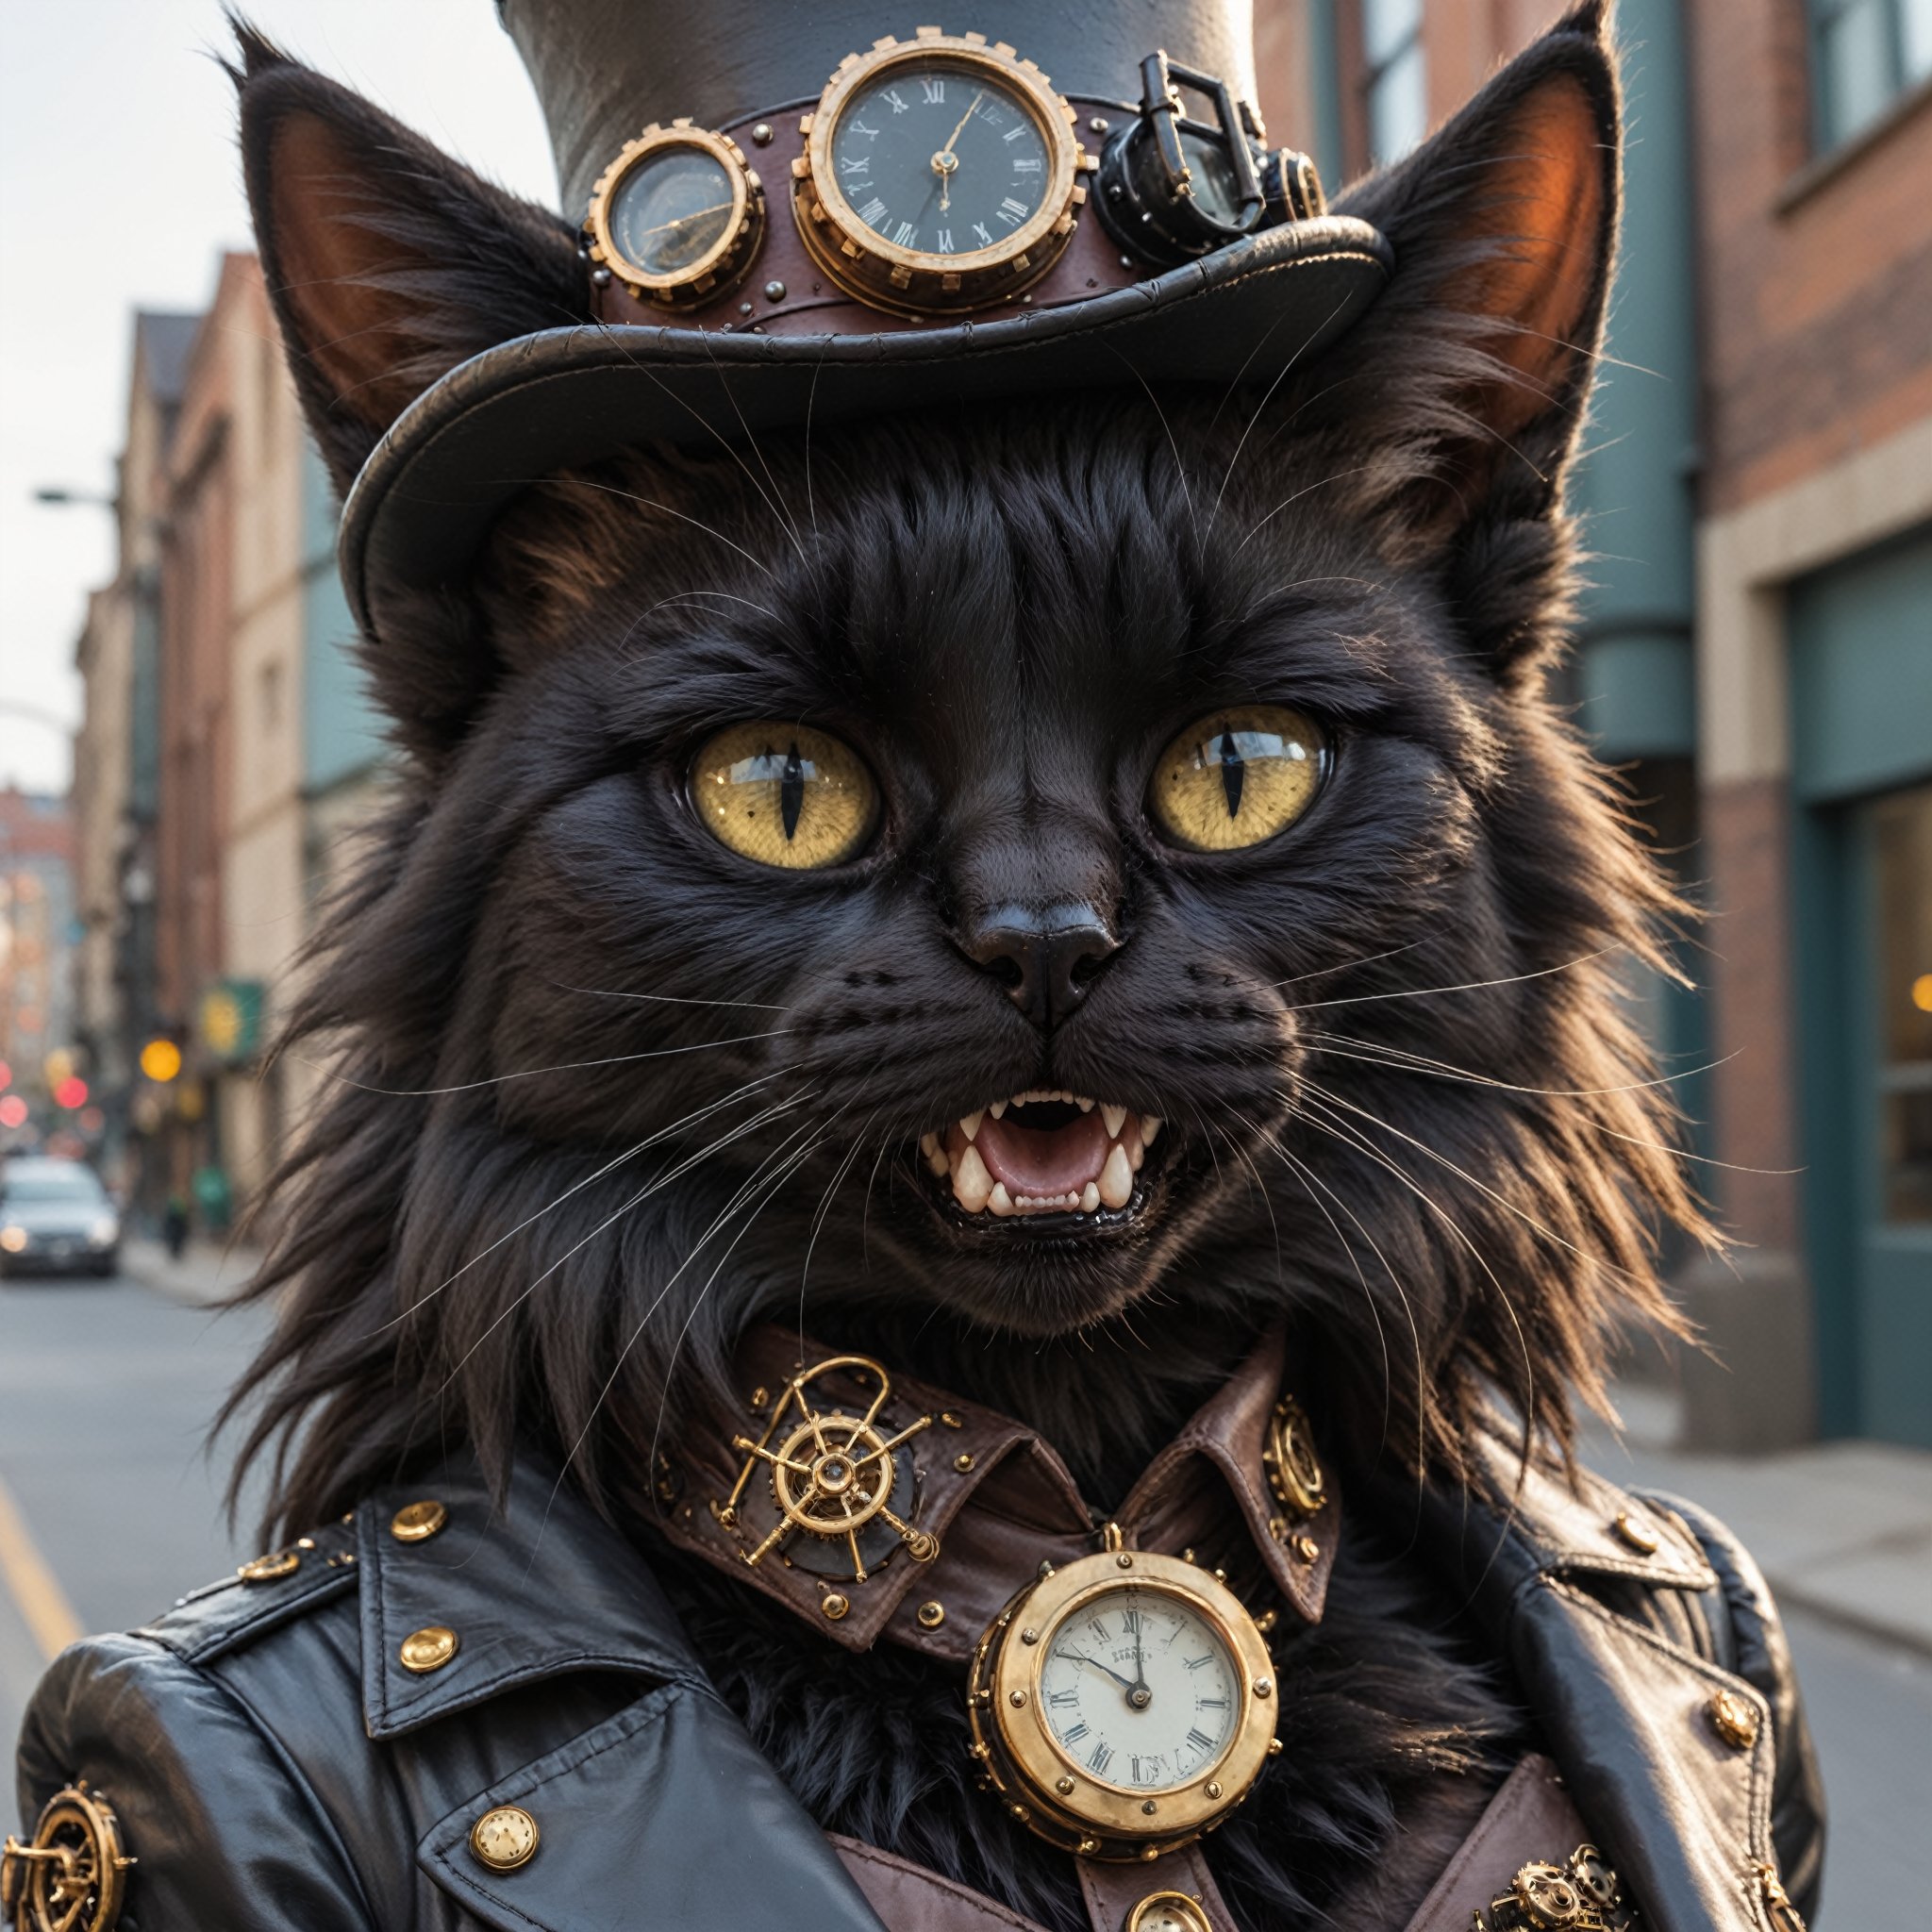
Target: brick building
(225, 751)
(1757, 652)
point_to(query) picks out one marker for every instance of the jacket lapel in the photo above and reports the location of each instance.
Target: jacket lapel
(1604, 1605)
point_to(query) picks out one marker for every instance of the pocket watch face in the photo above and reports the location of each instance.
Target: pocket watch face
(1139, 1690)
(1124, 1704)
(938, 174)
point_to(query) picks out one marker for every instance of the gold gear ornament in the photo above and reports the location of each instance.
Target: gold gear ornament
(835, 1478)
(72, 1877)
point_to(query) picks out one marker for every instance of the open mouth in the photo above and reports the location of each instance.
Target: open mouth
(1043, 1152)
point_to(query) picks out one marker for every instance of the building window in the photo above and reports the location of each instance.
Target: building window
(1393, 95)
(1866, 54)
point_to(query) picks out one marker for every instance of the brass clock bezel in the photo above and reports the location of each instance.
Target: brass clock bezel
(725, 263)
(1054, 1796)
(920, 282)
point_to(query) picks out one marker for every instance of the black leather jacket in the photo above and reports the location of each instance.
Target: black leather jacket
(273, 1764)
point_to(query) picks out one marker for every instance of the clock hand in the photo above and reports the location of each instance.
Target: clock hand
(945, 163)
(1074, 1656)
(1140, 1696)
(680, 221)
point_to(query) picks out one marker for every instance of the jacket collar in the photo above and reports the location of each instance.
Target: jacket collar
(983, 1499)
(531, 1588)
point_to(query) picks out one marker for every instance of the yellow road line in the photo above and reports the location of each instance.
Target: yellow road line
(32, 1584)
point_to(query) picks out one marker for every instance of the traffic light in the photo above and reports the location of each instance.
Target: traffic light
(161, 1059)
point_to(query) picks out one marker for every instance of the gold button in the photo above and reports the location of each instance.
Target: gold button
(428, 1649)
(270, 1568)
(834, 1605)
(1733, 1720)
(505, 1838)
(963, 1464)
(416, 1522)
(931, 1615)
(1633, 1534)
(1168, 1912)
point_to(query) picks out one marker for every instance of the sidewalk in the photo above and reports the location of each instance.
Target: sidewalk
(1841, 1530)
(207, 1272)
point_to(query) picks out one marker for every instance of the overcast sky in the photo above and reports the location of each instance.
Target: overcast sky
(119, 187)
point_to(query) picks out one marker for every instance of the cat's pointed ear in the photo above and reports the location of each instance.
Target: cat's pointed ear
(388, 264)
(1468, 378)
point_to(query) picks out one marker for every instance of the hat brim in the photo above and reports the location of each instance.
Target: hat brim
(423, 502)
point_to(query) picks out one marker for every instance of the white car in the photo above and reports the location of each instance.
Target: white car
(56, 1218)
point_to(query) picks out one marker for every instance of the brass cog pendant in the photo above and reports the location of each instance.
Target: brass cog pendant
(841, 1493)
(72, 1877)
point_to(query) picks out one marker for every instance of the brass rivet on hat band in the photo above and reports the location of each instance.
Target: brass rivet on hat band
(1733, 1720)
(416, 1522)
(931, 1614)
(427, 1649)
(270, 1568)
(963, 1464)
(1307, 1548)
(834, 1605)
(505, 1838)
(1633, 1535)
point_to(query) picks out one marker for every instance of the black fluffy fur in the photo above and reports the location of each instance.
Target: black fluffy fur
(1406, 1113)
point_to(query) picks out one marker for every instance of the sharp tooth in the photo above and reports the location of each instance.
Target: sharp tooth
(1116, 1179)
(1090, 1198)
(969, 1122)
(938, 1163)
(1136, 1153)
(1113, 1116)
(972, 1184)
(998, 1109)
(929, 1143)
(999, 1201)
(1150, 1125)
(1085, 1105)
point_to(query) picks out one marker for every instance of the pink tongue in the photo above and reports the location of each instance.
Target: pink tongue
(1032, 1163)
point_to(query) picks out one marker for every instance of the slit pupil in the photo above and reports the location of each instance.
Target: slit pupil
(1232, 772)
(792, 791)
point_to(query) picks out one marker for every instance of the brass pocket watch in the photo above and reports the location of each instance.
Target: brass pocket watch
(1122, 1705)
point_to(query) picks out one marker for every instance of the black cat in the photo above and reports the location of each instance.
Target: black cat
(611, 1090)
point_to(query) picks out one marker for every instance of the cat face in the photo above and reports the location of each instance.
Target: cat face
(1101, 872)
(1093, 788)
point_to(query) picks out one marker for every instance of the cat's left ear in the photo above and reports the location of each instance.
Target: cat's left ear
(1468, 379)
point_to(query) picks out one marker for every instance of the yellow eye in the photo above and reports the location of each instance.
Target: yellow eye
(784, 795)
(1237, 777)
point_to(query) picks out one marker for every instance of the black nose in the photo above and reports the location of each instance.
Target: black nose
(1046, 960)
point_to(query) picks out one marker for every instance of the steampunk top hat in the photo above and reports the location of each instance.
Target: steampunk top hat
(790, 213)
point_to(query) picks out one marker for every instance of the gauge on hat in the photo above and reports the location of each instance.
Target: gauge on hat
(940, 174)
(678, 216)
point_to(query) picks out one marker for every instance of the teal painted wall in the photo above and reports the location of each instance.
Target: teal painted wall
(1635, 681)
(341, 730)
(1322, 143)
(1861, 671)
(1861, 688)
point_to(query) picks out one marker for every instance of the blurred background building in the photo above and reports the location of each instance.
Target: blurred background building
(1756, 653)
(223, 757)
(1757, 650)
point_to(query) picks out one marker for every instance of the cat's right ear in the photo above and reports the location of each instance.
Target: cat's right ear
(386, 262)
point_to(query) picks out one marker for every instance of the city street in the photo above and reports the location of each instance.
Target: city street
(104, 1393)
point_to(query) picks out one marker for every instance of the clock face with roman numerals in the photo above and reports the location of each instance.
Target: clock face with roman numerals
(1138, 1690)
(937, 157)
